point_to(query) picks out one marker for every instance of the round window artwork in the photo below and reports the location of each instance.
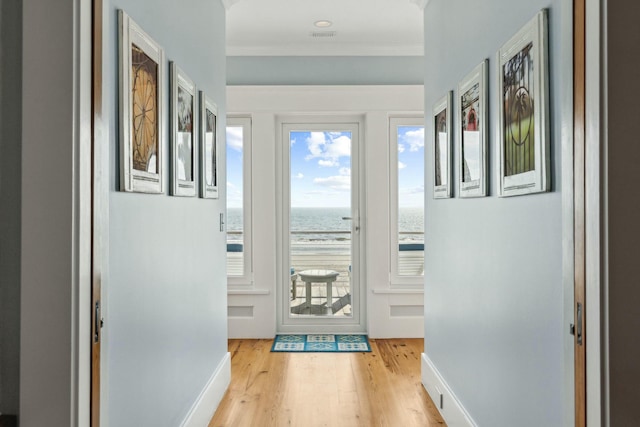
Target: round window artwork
(521, 117)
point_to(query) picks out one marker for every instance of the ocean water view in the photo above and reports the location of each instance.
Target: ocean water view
(325, 226)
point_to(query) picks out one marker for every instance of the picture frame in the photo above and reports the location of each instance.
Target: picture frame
(472, 119)
(442, 146)
(523, 109)
(141, 133)
(184, 152)
(208, 148)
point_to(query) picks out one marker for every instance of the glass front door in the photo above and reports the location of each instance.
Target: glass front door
(322, 223)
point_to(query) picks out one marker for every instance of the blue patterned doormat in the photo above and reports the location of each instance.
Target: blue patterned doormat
(321, 343)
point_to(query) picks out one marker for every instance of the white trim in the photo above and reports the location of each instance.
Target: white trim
(228, 3)
(207, 402)
(420, 3)
(248, 292)
(353, 123)
(596, 220)
(81, 258)
(452, 410)
(391, 291)
(566, 178)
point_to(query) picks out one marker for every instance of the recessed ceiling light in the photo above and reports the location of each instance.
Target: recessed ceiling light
(323, 23)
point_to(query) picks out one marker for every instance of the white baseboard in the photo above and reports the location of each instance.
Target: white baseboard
(452, 410)
(207, 402)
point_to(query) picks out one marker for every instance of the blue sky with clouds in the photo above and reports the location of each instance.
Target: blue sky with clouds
(234, 166)
(411, 166)
(321, 168)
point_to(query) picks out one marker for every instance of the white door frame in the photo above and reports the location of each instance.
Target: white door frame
(596, 256)
(320, 324)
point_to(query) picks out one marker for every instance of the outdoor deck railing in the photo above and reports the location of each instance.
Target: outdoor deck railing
(318, 251)
(320, 233)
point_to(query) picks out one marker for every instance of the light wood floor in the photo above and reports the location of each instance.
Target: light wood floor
(381, 388)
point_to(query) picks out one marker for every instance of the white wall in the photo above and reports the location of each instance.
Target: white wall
(325, 70)
(494, 327)
(165, 295)
(265, 104)
(10, 185)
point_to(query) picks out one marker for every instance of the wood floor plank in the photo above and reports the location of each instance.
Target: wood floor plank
(381, 388)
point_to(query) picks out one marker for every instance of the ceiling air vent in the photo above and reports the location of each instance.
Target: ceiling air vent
(322, 34)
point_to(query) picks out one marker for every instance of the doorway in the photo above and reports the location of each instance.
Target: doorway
(321, 231)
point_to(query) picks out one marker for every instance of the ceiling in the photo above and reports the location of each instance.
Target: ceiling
(359, 27)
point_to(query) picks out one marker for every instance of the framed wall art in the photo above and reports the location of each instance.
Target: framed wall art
(141, 78)
(472, 133)
(208, 148)
(442, 132)
(184, 166)
(523, 131)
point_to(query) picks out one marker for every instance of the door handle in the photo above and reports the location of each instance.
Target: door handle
(348, 218)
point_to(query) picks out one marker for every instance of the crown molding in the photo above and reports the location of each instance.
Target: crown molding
(228, 3)
(420, 3)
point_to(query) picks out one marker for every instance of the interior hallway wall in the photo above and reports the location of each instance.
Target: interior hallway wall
(493, 273)
(166, 294)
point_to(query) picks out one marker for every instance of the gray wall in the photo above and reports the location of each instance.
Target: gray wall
(622, 205)
(493, 269)
(165, 296)
(10, 186)
(325, 70)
